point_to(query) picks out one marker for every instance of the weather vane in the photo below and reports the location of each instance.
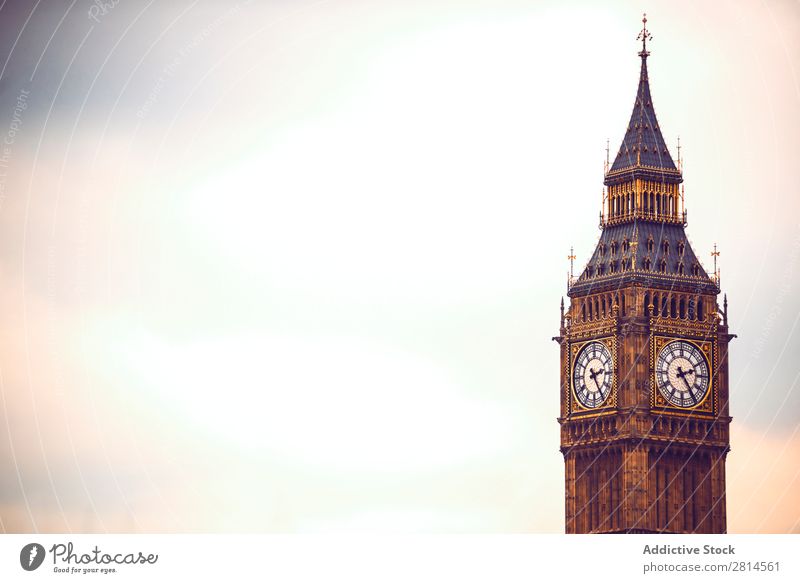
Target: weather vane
(644, 36)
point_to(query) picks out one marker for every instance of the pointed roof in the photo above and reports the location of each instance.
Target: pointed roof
(643, 153)
(658, 255)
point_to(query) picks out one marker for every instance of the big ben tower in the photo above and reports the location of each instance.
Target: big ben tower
(644, 356)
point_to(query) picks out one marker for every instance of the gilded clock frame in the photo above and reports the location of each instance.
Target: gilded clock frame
(609, 406)
(708, 405)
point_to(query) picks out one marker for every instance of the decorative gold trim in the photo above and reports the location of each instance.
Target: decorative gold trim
(627, 169)
(594, 328)
(700, 329)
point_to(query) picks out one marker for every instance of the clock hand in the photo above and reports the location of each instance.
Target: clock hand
(682, 375)
(593, 375)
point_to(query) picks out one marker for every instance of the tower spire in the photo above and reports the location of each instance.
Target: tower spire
(643, 153)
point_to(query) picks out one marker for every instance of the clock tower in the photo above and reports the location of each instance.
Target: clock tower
(644, 356)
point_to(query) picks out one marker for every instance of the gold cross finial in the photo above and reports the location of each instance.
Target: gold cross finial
(644, 36)
(571, 258)
(715, 254)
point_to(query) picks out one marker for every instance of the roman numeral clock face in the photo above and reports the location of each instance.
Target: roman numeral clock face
(591, 376)
(682, 374)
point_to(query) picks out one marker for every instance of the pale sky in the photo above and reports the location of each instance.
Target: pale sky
(296, 266)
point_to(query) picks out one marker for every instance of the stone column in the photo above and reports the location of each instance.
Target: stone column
(634, 486)
(718, 511)
(570, 526)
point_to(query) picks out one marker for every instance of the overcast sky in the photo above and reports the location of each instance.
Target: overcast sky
(295, 266)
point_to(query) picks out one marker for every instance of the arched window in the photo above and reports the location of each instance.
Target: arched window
(665, 247)
(681, 248)
(673, 311)
(650, 244)
(656, 305)
(692, 312)
(662, 266)
(647, 305)
(583, 311)
(680, 268)
(682, 308)
(646, 264)
(626, 246)
(613, 248)
(700, 309)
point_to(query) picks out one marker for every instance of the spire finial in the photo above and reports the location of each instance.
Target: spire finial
(644, 36)
(715, 254)
(725, 309)
(571, 258)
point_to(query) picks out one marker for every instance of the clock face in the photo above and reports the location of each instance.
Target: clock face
(682, 374)
(591, 376)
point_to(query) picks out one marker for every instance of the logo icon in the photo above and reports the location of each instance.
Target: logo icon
(31, 556)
